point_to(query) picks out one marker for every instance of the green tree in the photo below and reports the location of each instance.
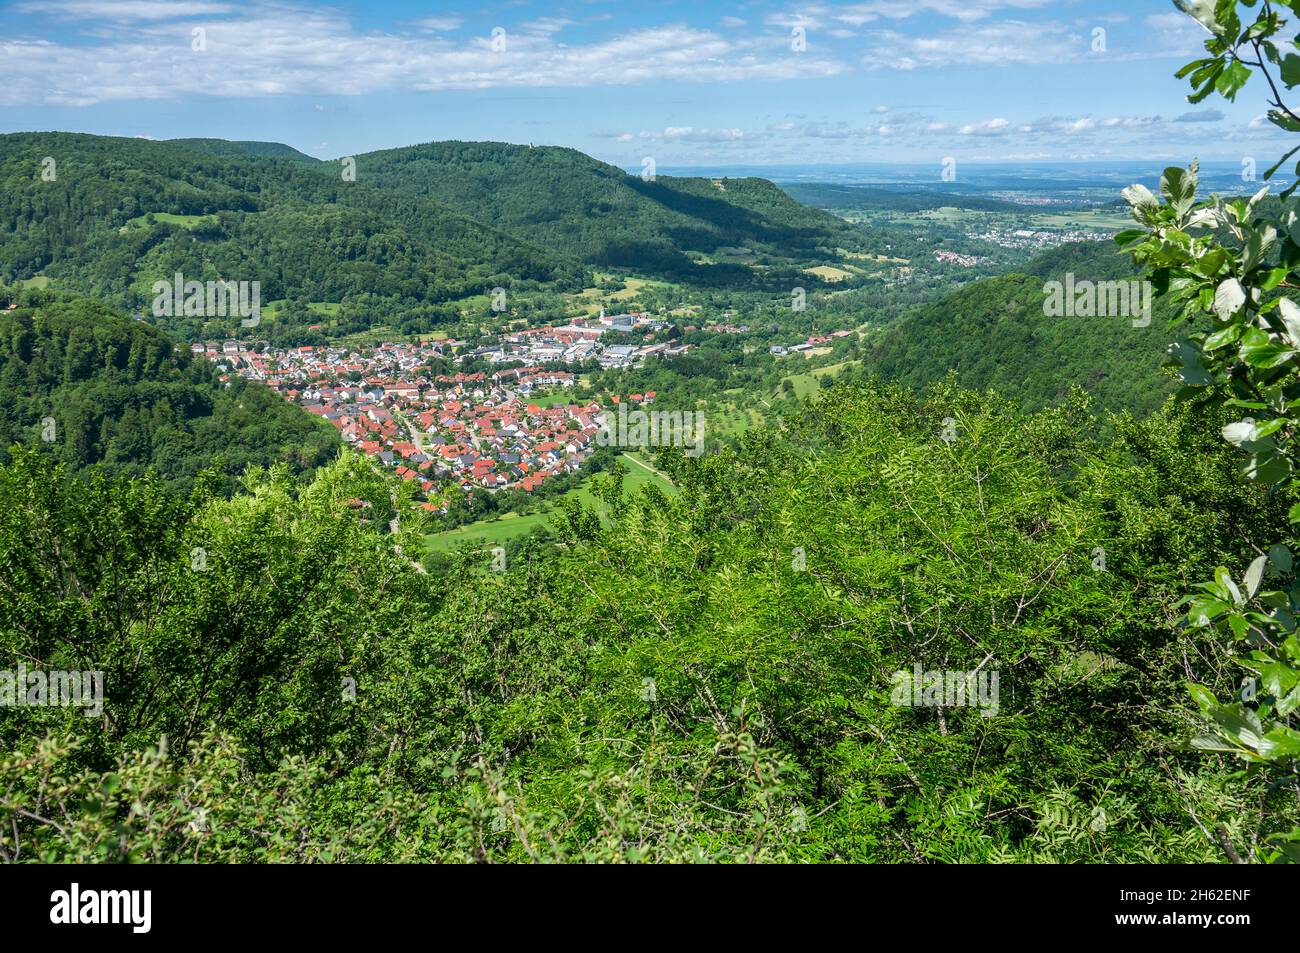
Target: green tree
(1231, 266)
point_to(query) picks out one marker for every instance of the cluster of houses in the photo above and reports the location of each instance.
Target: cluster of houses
(581, 341)
(957, 258)
(472, 430)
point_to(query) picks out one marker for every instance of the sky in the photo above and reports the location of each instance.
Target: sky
(685, 82)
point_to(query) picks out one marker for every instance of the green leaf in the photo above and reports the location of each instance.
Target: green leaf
(1258, 349)
(1229, 298)
(1222, 338)
(1232, 79)
(1178, 186)
(1187, 357)
(1258, 244)
(1290, 70)
(1254, 576)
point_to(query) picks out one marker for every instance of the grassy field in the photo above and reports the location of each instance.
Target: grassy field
(493, 532)
(589, 301)
(808, 384)
(40, 281)
(1085, 218)
(189, 221)
(829, 273)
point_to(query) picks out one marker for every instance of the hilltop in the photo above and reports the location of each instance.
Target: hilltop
(563, 199)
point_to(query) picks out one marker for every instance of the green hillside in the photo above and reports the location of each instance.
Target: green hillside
(90, 387)
(300, 230)
(563, 199)
(226, 147)
(993, 334)
(711, 677)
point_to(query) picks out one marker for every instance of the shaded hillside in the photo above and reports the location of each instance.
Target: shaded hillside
(119, 214)
(565, 200)
(994, 334)
(266, 150)
(91, 387)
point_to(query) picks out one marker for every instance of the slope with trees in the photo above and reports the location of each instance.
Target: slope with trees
(92, 388)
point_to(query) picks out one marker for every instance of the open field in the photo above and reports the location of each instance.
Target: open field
(493, 532)
(829, 273)
(588, 302)
(189, 221)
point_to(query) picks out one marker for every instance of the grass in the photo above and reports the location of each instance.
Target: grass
(494, 532)
(589, 301)
(829, 273)
(809, 383)
(805, 385)
(189, 221)
(40, 281)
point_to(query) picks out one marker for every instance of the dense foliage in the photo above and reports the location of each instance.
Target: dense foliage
(1233, 267)
(563, 199)
(116, 215)
(93, 388)
(994, 334)
(708, 678)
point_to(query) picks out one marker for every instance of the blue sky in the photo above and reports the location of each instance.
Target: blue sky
(688, 83)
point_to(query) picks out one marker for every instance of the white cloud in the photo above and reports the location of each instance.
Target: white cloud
(281, 50)
(990, 127)
(692, 134)
(440, 24)
(859, 14)
(1002, 43)
(545, 26)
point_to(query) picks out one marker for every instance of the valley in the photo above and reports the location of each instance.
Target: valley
(614, 436)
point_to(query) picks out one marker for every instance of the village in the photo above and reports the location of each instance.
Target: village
(483, 429)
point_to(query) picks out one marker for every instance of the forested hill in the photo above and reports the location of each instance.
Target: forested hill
(113, 215)
(417, 231)
(994, 334)
(226, 147)
(563, 199)
(92, 387)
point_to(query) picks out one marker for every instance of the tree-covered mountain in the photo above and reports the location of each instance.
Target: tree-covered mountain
(995, 335)
(94, 389)
(562, 199)
(416, 231)
(227, 147)
(110, 216)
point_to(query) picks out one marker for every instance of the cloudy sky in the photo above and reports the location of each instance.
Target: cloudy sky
(685, 81)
